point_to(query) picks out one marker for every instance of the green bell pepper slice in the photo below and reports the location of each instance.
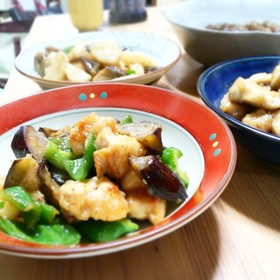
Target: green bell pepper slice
(127, 119)
(56, 156)
(30, 210)
(57, 234)
(78, 169)
(170, 156)
(100, 231)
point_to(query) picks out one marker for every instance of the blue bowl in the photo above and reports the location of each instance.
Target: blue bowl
(214, 83)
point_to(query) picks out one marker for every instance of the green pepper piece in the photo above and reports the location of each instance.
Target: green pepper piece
(57, 234)
(170, 156)
(13, 229)
(130, 72)
(30, 210)
(78, 169)
(127, 119)
(48, 214)
(62, 143)
(67, 50)
(100, 231)
(56, 156)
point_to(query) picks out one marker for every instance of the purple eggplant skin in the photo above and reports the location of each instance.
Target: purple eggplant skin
(27, 140)
(161, 181)
(147, 133)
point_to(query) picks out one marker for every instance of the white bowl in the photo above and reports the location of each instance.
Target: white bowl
(162, 50)
(189, 20)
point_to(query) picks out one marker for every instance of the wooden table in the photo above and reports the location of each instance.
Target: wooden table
(236, 238)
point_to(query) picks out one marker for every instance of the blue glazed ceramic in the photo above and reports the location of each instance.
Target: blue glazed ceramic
(215, 82)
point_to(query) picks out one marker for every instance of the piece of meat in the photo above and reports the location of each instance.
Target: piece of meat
(234, 109)
(113, 150)
(95, 198)
(275, 126)
(89, 124)
(250, 92)
(143, 206)
(260, 119)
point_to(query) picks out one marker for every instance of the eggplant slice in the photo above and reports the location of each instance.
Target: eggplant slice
(27, 140)
(161, 181)
(147, 133)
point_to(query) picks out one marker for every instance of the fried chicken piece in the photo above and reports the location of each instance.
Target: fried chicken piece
(250, 92)
(90, 123)
(113, 150)
(234, 109)
(275, 126)
(275, 79)
(260, 119)
(142, 205)
(95, 198)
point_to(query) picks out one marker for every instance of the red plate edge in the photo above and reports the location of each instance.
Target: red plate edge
(213, 135)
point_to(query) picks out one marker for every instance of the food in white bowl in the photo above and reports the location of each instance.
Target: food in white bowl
(135, 48)
(209, 152)
(98, 61)
(191, 18)
(90, 181)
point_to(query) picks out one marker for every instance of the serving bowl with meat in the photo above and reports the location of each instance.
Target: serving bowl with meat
(213, 31)
(246, 93)
(98, 57)
(107, 168)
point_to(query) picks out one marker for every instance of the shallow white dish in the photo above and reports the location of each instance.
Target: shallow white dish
(164, 51)
(190, 19)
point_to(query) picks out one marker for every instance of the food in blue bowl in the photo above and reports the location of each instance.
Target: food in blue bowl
(251, 84)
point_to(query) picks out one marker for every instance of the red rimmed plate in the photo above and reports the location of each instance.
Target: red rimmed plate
(206, 141)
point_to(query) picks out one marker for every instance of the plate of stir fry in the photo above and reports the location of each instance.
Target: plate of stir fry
(98, 57)
(103, 171)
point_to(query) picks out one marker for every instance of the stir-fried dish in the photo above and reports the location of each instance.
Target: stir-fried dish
(99, 61)
(90, 182)
(255, 101)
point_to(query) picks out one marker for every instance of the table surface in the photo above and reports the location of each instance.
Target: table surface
(238, 237)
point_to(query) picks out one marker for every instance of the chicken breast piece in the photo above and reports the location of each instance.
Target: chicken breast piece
(113, 150)
(95, 198)
(275, 80)
(131, 182)
(55, 66)
(143, 206)
(275, 126)
(78, 51)
(76, 74)
(260, 119)
(261, 78)
(248, 91)
(236, 110)
(89, 124)
(107, 52)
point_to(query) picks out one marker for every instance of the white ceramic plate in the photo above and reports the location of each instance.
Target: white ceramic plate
(190, 19)
(164, 51)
